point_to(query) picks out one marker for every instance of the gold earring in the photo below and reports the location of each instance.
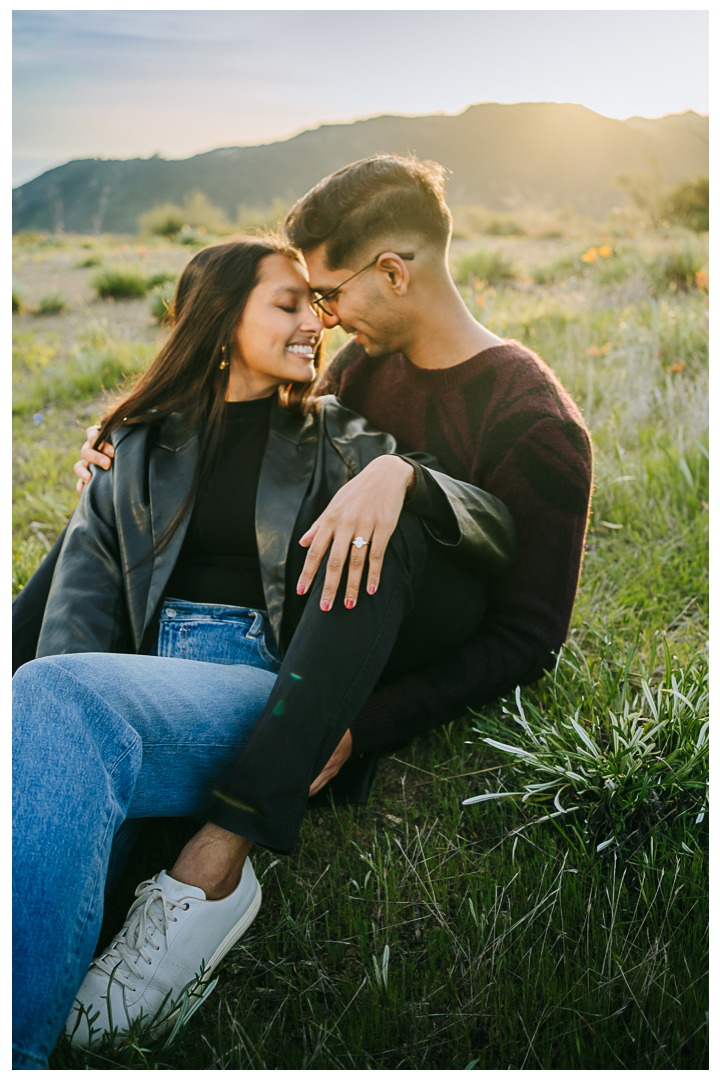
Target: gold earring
(223, 362)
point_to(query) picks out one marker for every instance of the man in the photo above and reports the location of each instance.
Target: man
(375, 237)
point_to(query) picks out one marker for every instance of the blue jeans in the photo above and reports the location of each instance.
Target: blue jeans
(100, 738)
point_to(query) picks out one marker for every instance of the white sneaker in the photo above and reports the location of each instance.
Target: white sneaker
(171, 930)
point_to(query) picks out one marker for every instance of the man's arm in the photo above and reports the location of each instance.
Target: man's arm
(549, 472)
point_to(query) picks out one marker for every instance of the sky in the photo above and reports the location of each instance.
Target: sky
(130, 83)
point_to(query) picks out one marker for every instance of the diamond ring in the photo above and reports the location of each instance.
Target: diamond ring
(358, 542)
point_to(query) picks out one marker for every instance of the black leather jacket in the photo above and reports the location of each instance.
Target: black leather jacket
(112, 570)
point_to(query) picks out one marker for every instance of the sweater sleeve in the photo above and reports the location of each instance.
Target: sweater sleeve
(545, 479)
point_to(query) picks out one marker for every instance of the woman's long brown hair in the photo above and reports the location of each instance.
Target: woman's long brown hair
(186, 377)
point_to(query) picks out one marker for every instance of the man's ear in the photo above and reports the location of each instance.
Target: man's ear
(395, 271)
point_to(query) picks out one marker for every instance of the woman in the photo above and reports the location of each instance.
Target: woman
(199, 682)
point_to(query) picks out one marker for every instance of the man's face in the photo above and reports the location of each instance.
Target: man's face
(361, 307)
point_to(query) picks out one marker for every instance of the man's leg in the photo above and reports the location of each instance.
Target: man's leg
(332, 664)
(98, 737)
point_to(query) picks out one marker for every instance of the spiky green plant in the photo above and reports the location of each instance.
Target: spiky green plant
(623, 751)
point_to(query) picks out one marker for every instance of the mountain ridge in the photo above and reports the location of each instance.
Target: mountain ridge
(503, 156)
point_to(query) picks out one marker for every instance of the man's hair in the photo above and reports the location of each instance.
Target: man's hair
(379, 196)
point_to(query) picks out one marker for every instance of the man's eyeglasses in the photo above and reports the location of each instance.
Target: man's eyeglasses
(319, 299)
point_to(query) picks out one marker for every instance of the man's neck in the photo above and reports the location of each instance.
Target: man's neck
(447, 335)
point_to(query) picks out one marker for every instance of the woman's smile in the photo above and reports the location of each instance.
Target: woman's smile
(277, 336)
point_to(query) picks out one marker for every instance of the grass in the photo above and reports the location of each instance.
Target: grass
(120, 282)
(161, 299)
(629, 756)
(51, 304)
(490, 267)
(421, 933)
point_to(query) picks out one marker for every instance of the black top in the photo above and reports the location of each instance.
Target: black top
(218, 562)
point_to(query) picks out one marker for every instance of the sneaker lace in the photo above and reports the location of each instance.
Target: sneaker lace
(151, 910)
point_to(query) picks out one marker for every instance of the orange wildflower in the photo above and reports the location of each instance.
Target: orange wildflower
(599, 350)
(702, 281)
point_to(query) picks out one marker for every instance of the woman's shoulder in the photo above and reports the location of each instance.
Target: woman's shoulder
(171, 432)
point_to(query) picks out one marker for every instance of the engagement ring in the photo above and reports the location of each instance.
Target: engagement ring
(358, 542)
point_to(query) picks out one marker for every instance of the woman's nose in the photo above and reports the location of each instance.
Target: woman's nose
(312, 322)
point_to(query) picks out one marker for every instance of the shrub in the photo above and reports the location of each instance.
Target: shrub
(197, 212)
(165, 220)
(504, 226)
(161, 302)
(562, 269)
(84, 264)
(677, 270)
(188, 235)
(624, 753)
(688, 204)
(51, 304)
(162, 277)
(490, 266)
(120, 282)
(26, 238)
(18, 298)
(251, 218)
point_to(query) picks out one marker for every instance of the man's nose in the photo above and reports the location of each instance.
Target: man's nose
(329, 320)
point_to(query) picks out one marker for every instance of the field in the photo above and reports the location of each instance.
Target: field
(562, 922)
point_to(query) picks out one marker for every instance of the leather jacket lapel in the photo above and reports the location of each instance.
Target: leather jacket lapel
(286, 470)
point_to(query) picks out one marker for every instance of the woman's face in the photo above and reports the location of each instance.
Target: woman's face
(276, 338)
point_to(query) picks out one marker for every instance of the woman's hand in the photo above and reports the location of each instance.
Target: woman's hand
(335, 764)
(369, 506)
(102, 457)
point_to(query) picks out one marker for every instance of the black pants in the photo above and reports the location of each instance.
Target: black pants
(426, 607)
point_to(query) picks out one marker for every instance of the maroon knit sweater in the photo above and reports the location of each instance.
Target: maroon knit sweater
(503, 422)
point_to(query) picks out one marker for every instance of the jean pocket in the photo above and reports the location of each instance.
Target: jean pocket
(266, 648)
(172, 639)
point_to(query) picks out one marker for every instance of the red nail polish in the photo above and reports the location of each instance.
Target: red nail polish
(324, 605)
(371, 589)
(300, 590)
(349, 603)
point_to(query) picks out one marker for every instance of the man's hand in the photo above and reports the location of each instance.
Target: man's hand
(102, 457)
(369, 506)
(334, 765)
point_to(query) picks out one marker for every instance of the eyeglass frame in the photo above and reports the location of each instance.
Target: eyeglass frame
(408, 256)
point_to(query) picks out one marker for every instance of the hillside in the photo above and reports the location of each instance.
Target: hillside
(500, 155)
